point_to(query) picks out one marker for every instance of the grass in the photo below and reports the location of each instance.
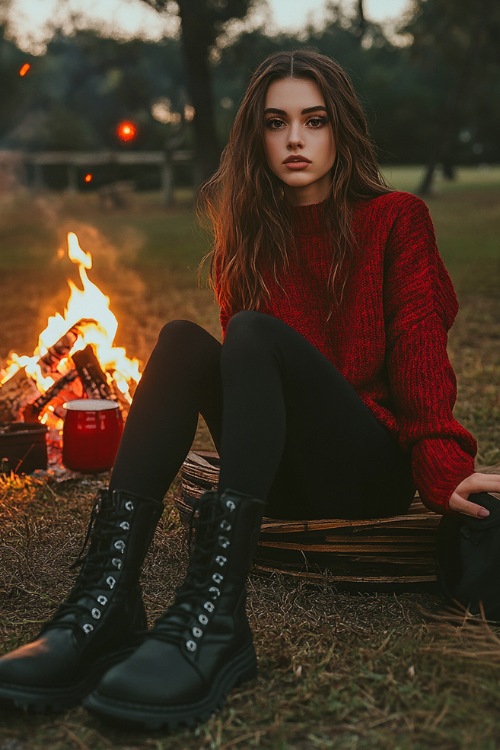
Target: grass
(338, 669)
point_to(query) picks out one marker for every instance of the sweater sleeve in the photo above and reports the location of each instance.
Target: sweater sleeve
(420, 306)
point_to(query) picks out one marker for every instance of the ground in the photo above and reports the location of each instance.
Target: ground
(337, 669)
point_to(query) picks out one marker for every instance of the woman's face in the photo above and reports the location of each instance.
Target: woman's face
(298, 139)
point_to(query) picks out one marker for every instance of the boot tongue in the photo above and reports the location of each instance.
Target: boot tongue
(200, 568)
(207, 511)
(205, 526)
(226, 532)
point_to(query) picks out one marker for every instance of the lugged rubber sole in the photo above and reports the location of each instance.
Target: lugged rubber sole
(46, 700)
(241, 668)
(53, 700)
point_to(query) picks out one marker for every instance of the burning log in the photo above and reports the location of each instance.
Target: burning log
(21, 399)
(62, 347)
(32, 411)
(14, 394)
(19, 393)
(28, 393)
(91, 374)
(59, 350)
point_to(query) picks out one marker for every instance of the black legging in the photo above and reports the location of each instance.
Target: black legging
(288, 426)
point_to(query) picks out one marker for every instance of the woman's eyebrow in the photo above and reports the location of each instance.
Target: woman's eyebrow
(307, 111)
(313, 109)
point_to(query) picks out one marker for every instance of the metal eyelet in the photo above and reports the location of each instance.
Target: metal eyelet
(191, 646)
(116, 562)
(209, 607)
(214, 590)
(129, 505)
(87, 628)
(102, 600)
(119, 545)
(224, 542)
(221, 560)
(111, 581)
(217, 578)
(197, 632)
(203, 619)
(230, 505)
(96, 613)
(125, 525)
(225, 525)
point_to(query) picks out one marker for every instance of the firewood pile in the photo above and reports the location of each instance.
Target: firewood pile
(27, 445)
(395, 550)
(20, 399)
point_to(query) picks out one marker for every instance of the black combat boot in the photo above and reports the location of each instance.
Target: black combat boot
(102, 619)
(202, 646)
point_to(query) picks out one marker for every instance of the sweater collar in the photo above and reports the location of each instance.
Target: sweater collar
(309, 219)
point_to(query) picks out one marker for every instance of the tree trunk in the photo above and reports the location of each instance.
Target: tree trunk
(201, 23)
(448, 167)
(196, 44)
(443, 143)
(360, 20)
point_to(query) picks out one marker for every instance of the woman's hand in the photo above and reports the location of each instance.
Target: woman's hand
(474, 483)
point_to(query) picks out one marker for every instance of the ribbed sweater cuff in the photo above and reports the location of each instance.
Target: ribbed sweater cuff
(439, 465)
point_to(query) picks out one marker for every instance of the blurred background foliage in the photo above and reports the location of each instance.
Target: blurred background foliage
(431, 94)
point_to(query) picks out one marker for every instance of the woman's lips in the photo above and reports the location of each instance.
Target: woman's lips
(296, 162)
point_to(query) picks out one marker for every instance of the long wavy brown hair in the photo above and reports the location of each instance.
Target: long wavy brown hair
(245, 203)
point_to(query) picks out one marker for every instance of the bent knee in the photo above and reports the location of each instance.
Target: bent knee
(179, 331)
(250, 322)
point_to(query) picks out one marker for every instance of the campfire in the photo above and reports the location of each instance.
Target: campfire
(75, 358)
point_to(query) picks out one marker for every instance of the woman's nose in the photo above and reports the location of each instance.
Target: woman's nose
(295, 139)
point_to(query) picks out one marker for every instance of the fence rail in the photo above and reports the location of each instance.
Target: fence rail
(11, 161)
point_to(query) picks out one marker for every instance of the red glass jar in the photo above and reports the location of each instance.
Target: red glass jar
(91, 434)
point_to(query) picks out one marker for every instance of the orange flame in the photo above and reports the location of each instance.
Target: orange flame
(88, 177)
(99, 328)
(24, 69)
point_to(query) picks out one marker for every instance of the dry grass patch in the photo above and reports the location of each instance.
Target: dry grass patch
(338, 669)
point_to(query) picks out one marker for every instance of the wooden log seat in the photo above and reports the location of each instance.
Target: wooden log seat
(379, 551)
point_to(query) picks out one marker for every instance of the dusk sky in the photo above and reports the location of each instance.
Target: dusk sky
(29, 18)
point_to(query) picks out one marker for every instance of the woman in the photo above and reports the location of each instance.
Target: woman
(331, 396)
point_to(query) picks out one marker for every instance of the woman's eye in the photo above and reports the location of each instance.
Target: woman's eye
(317, 122)
(274, 124)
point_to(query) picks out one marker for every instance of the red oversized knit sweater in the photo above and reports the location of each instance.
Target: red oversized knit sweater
(389, 337)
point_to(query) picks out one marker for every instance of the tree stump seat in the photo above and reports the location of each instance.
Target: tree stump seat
(378, 551)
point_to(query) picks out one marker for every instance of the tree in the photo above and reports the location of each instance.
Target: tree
(361, 20)
(390, 87)
(202, 21)
(17, 90)
(463, 38)
(86, 83)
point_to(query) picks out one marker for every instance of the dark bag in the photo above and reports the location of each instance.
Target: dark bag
(468, 558)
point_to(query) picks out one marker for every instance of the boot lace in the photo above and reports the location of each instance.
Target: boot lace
(194, 600)
(106, 524)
